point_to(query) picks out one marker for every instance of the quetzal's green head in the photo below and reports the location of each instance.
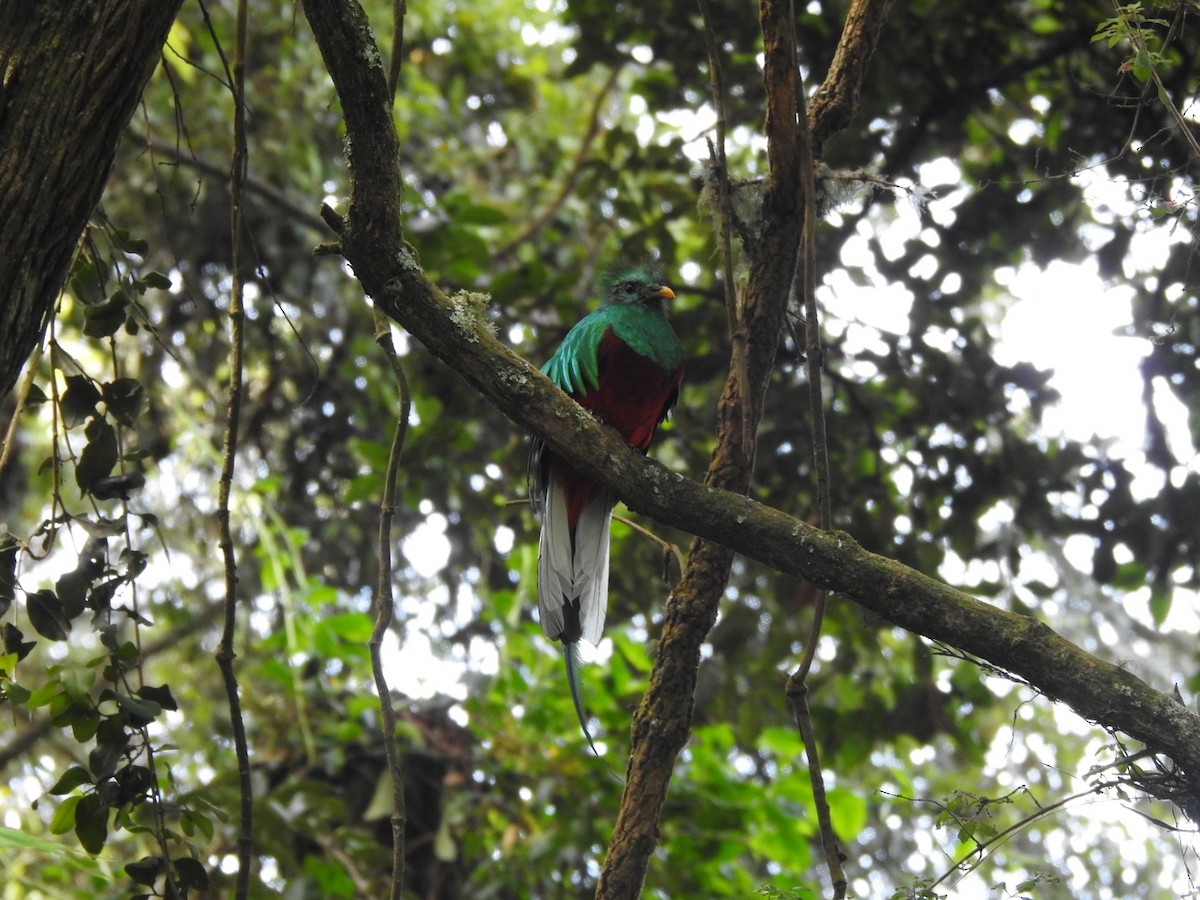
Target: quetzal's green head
(640, 285)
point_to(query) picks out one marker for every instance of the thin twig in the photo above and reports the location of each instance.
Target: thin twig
(836, 101)
(716, 87)
(737, 329)
(399, 12)
(982, 847)
(665, 545)
(157, 803)
(797, 687)
(812, 363)
(798, 695)
(568, 186)
(383, 605)
(22, 395)
(1138, 39)
(174, 155)
(225, 653)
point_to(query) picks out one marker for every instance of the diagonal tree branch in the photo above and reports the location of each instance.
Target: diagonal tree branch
(456, 333)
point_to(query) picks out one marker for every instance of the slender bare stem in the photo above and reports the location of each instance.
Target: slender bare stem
(383, 605)
(225, 653)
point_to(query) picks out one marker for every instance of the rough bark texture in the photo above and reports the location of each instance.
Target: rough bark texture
(835, 103)
(71, 75)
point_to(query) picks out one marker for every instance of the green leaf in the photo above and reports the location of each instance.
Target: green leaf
(111, 741)
(8, 659)
(160, 695)
(1142, 66)
(364, 487)
(71, 779)
(783, 743)
(135, 562)
(45, 693)
(156, 280)
(330, 877)
(63, 819)
(126, 400)
(87, 286)
(277, 672)
(72, 591)
(116, 487)
(16, 693)
(1130, 576)
(373, 453)
(445, 847)
(135, 782)
(47, 616)
(145, 870)
(78, 401)
(77, 681)
(847, 811)
(106, 319)
(99, 456)
(128, 244)
(468, 213)
(100, 597)
(1160, 605)
(190, 873)
(1046, 24)
(8, 571)
(352, 627)
(91, 823)
(635, 652)
(36, 397)
(195, 821)
(84, 724)
(141, 712)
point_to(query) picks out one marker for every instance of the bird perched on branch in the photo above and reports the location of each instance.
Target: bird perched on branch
(624, 364)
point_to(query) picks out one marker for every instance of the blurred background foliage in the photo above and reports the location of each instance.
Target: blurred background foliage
(544, 140)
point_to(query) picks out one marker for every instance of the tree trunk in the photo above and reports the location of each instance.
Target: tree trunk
(71, 75)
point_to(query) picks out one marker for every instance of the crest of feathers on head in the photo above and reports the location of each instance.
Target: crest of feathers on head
(619, 272)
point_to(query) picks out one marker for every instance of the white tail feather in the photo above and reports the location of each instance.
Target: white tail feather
(591, 564)
(574, 572)
(555, 566)
(565, 575)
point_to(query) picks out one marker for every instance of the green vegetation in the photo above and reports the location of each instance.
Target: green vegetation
(541, 141)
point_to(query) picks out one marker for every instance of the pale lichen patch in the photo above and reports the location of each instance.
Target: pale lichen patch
(468, 312)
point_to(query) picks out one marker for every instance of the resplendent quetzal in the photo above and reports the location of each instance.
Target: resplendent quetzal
(624, 364)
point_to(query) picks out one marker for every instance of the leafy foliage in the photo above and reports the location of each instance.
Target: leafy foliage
(540, 144)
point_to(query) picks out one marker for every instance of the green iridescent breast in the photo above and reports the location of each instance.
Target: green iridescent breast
(575, 366)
